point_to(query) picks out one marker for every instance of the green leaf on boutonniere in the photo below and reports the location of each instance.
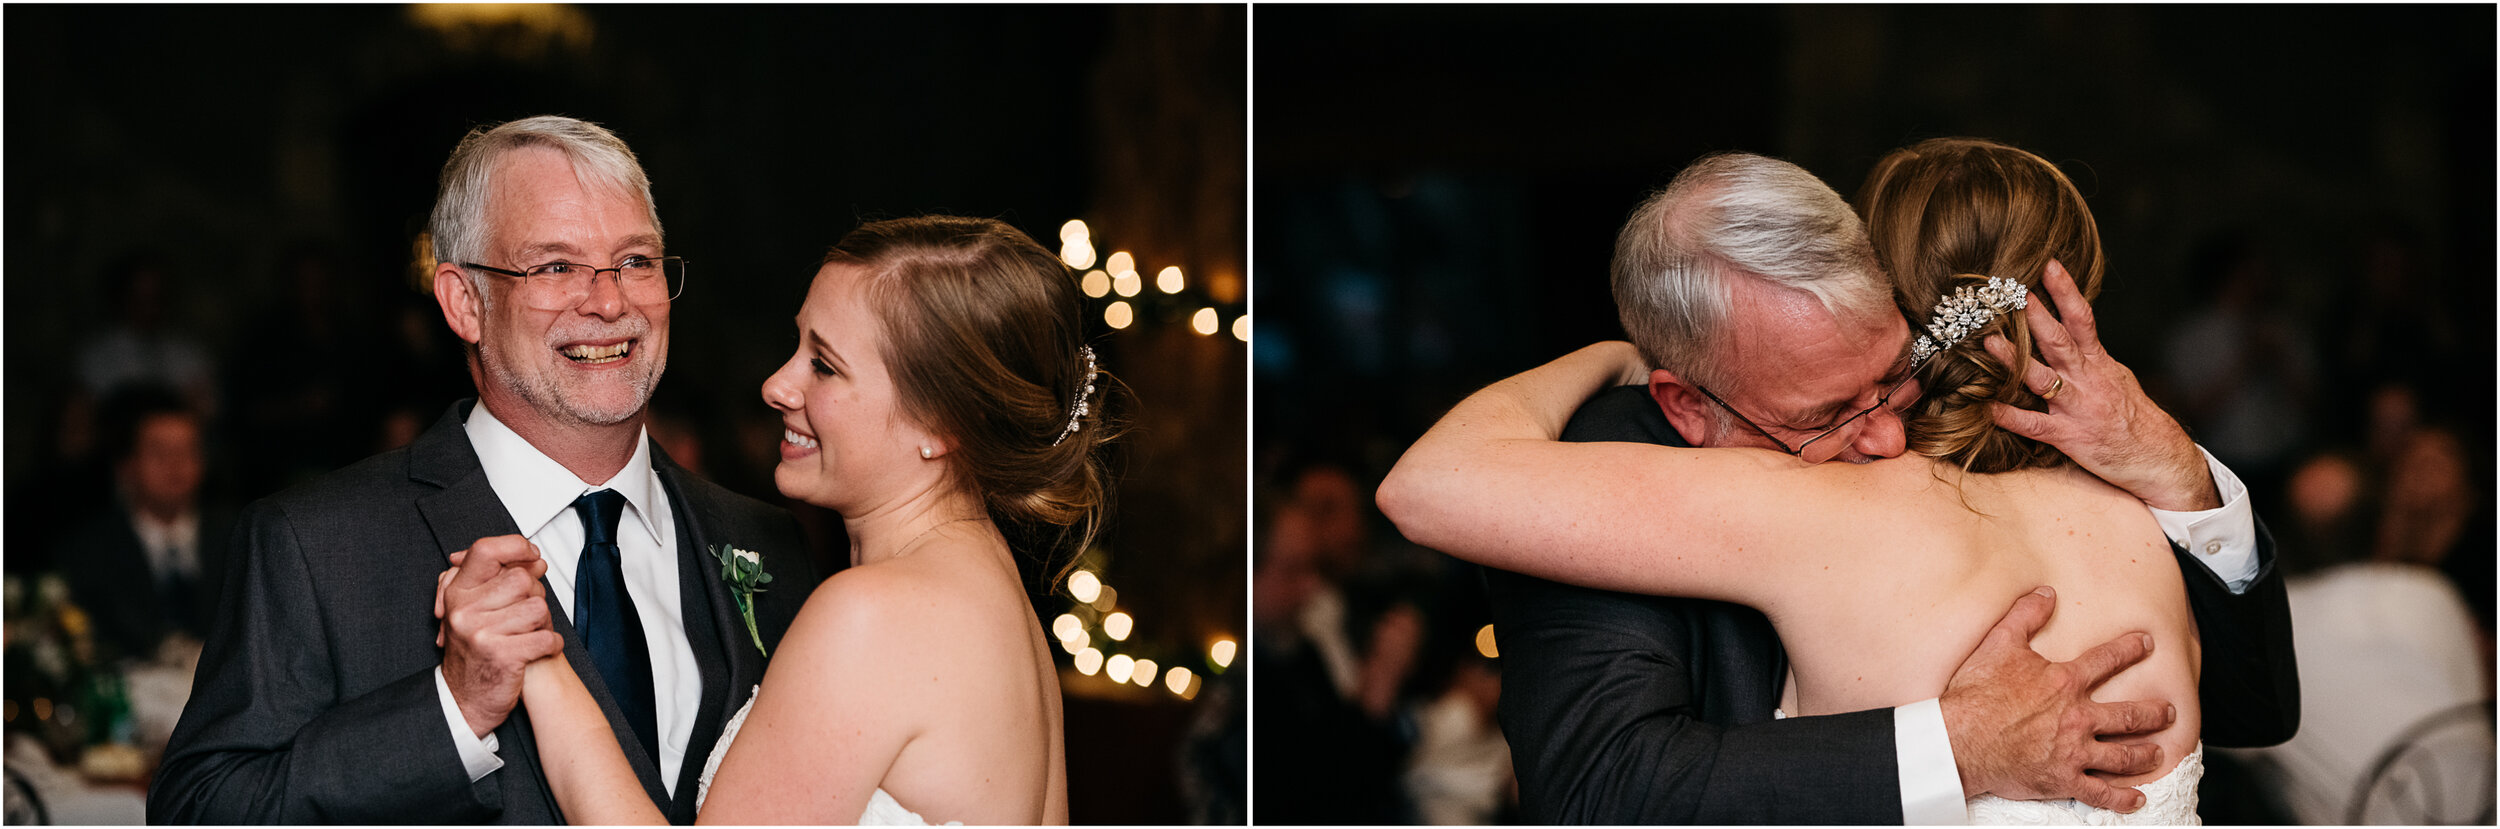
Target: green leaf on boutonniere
(743, 571)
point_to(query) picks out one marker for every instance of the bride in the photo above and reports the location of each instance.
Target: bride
(1879, 577)
(942, 402)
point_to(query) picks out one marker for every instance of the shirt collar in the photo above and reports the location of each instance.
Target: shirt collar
(536, 489)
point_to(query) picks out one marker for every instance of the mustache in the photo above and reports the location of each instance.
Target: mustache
(635, 327)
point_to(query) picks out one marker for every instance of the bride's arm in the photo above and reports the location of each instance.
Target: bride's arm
(1491, 484)
(576, 747)
(840, 700)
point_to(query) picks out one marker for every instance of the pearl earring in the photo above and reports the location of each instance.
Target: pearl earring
(925, 454)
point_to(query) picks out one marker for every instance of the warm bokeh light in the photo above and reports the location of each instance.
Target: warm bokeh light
(1120, 261)
(1067, 626)
(1484, 643)
(1077, 642)
(1118, 668)
(1109, 599)
(1075, 230)
(1126, 283)
(1096, 283)
(1177, 680)
(1241, 328)
(1078, 253)
(1084, 585)
(1118, 315)
(1144, 673)
(1088, 661)
(1169, 280)
(1222, 652)
(1117, 626)
(1203, 322)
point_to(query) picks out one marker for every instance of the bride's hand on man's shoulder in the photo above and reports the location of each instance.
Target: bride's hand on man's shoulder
(1621, 358)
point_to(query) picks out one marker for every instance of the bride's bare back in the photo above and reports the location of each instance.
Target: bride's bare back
(1923, 559)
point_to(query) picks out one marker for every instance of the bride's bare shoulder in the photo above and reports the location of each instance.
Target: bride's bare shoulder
(917, 608)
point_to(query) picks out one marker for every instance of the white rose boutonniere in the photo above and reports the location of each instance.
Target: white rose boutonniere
(744, 571)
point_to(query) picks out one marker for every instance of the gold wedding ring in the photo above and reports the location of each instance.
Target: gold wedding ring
(2057, 382)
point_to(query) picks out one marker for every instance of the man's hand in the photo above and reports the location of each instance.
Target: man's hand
(2025, 728)
(495, 623)
(2097, 413)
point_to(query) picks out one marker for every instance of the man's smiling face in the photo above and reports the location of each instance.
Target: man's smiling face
(595, 362)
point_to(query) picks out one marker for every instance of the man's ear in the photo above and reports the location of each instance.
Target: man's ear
(1685, 408)
(462, 307)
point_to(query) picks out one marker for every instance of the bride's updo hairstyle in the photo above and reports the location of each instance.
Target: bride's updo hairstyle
(983, 331)
(1949, 212)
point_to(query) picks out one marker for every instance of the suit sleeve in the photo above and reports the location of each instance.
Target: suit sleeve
(266, 736)
(2250, 687)
(1606, 725)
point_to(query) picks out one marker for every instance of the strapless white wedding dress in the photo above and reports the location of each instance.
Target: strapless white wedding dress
(882, 809)
(2169, 801)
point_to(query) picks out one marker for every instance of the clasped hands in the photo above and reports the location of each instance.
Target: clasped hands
(493, 623)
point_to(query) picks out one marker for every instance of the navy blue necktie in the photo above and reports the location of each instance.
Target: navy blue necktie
(604, 616)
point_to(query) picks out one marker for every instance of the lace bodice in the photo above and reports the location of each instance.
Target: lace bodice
(2169, 801)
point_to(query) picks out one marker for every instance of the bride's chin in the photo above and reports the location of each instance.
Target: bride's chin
(797, 485)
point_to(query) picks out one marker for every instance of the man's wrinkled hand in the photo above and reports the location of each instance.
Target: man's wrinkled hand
(494, 623)
(2025, 728)
(2097, 412)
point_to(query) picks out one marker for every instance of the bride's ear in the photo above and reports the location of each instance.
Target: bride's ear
(930, 445)
(1686, 409)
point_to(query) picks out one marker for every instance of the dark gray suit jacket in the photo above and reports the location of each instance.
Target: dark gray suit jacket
(1625, 709)
(315, 698)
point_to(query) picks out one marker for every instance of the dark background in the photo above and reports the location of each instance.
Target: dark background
(279, 162)
(1438, 190)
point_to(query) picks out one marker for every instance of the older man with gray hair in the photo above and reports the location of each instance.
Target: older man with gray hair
(329, 692)
(1751, 287)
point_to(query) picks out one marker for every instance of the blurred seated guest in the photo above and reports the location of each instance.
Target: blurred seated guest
(148, 564)
(1330, 746)
(137, 348)
(1460, 772)
(2385, 641)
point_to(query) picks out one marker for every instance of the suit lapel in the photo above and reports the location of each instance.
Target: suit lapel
(728, 663)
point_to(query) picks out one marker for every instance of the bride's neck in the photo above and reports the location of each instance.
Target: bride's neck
(899, 527)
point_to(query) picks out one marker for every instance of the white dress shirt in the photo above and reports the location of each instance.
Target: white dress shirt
(172, 547)
(2223, 539)
(539, 493)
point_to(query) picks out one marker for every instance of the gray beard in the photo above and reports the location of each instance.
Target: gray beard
(545, 398)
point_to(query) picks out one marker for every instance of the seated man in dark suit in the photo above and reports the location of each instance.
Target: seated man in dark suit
(329, 691)
(1638, 709)
(147, 566)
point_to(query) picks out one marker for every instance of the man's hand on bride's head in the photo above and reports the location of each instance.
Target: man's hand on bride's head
(2096, 411)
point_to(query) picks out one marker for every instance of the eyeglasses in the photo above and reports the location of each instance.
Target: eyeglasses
(555, 286)
(1880, 402)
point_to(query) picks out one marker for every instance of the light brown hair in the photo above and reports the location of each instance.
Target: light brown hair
(1946, 212)
(982, 335)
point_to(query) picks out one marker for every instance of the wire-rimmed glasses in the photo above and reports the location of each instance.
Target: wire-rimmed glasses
(558, 285)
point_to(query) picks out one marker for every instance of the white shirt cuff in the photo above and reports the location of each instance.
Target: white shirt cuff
(478, 755)
(1931, 786)
(2224, 539)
